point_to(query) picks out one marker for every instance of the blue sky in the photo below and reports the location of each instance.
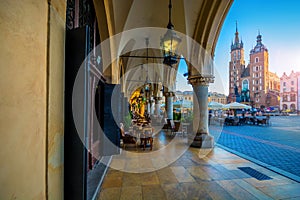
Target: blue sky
(279, 24)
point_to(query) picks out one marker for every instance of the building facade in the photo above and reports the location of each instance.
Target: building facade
(217, 97)
(298, 90)
(289, 92)
(255, 84)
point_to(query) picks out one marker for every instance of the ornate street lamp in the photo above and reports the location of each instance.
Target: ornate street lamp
(169, 42)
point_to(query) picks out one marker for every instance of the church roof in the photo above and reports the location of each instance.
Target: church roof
(246, 72)
(259, 47)
(237, 44)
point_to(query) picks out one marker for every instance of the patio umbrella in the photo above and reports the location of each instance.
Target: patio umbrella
(215, 105)
(183, 104)
(236, 105)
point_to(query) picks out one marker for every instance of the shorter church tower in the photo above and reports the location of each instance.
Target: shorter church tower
(259, 70)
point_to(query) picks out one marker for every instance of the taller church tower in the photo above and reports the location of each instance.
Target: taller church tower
(236, 68)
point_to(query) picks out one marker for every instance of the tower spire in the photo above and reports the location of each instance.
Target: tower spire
(236, 40)
(258, 38)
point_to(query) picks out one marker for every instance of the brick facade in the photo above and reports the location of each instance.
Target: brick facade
(254, 83)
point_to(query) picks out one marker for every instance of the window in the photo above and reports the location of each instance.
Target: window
(257, 82)
(284, 83)
(292, 89)
(284, 89)
(256, 59)
(293, 97)
(256, 88)
(245, 84)
(284, 98)
(292, 82)
(256, 68)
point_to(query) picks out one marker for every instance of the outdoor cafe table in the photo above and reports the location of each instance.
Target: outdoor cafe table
(144, 135)
(256, 120)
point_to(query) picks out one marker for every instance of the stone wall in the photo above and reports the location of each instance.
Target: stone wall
(56, 65)
(31, 100)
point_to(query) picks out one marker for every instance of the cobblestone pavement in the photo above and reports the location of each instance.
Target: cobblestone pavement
(276, 147)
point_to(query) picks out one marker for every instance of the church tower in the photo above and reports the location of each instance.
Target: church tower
(236, 68)
(259, 70)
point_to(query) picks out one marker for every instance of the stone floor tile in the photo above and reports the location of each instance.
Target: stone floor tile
(131, 192)
(266, 183)
(113, 172)
(149, 178)
(112, 181)
(215, 190)
(198, 173)
(282, 191)
(252, 190)
(194, 191)
(118, 164)
(229, 174)
(215, 176)
(240, 174)
(131, 179)
(146, 163)
(110, 194)
(166, 176)
(278, 177)
(235, 190)
(182, 174)
(214, 173)
(173, 192)
(153, 192)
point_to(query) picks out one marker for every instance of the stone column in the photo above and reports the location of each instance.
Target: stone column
(152, 106)
(148, 106)
(157, 106)
(169, 104)
(200, 122)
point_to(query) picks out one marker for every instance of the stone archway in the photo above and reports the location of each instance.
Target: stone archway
(200, 22)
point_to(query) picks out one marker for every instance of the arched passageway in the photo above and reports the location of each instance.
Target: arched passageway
(106, 41)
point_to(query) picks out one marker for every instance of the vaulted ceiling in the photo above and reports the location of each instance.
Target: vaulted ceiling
(199, 20)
